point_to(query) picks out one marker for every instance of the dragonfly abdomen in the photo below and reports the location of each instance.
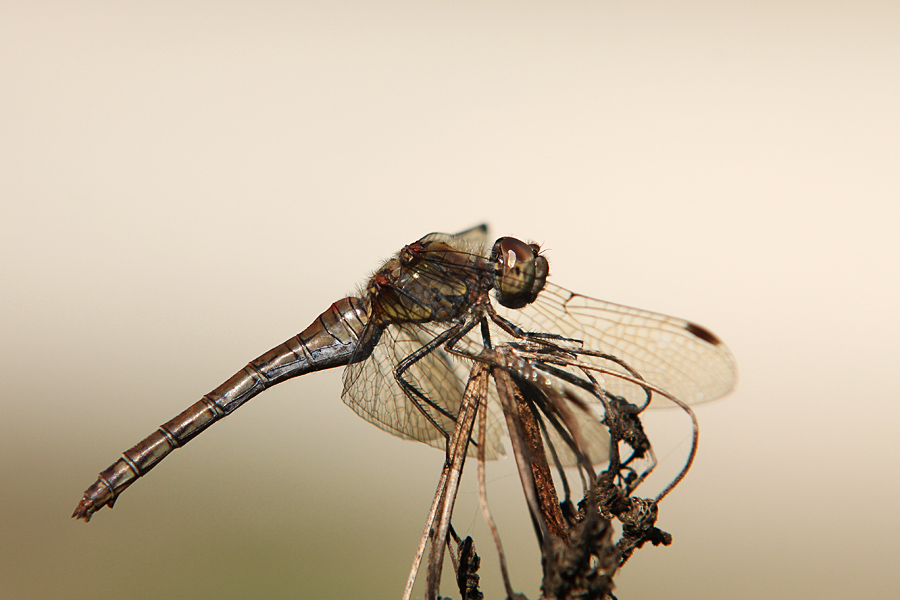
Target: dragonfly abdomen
(330, 341)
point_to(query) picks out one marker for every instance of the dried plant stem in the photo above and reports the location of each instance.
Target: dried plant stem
(579, 556)
(695, 438)
(506, 390)
(475, 395)
(548, 500)
(486, 512)
(429, 522)
(438, 522)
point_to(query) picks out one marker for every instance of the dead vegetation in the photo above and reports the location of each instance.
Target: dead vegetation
(580, 553)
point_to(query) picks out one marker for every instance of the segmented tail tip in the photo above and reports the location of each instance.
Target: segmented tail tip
(84, 510)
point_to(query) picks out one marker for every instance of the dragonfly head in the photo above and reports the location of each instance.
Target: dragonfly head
(521, 271)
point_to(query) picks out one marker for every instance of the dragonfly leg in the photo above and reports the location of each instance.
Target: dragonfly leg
(536, 336)
(420, 400)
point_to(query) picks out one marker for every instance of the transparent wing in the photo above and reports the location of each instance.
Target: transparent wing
(473, 240)
(676, 355)
(372, 390)
(590, 434)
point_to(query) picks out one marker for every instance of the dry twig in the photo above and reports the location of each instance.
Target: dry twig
(579, 555)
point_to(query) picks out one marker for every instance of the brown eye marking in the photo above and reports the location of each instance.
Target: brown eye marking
(513, 251)
(704, 334)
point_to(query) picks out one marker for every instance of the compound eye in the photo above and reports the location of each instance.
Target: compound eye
(521, 272)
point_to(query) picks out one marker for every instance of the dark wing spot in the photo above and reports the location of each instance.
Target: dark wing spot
(704, 334)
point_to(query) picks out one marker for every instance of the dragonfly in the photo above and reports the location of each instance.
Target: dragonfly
(408, 340)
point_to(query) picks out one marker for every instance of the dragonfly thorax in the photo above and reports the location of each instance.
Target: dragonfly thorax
(429, 281)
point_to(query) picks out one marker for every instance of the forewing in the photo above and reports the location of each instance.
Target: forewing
(676, 355)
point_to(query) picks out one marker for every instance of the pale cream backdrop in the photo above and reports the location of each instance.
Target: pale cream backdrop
(187, 184)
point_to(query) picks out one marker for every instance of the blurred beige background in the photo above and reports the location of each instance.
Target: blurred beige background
(187, 184)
